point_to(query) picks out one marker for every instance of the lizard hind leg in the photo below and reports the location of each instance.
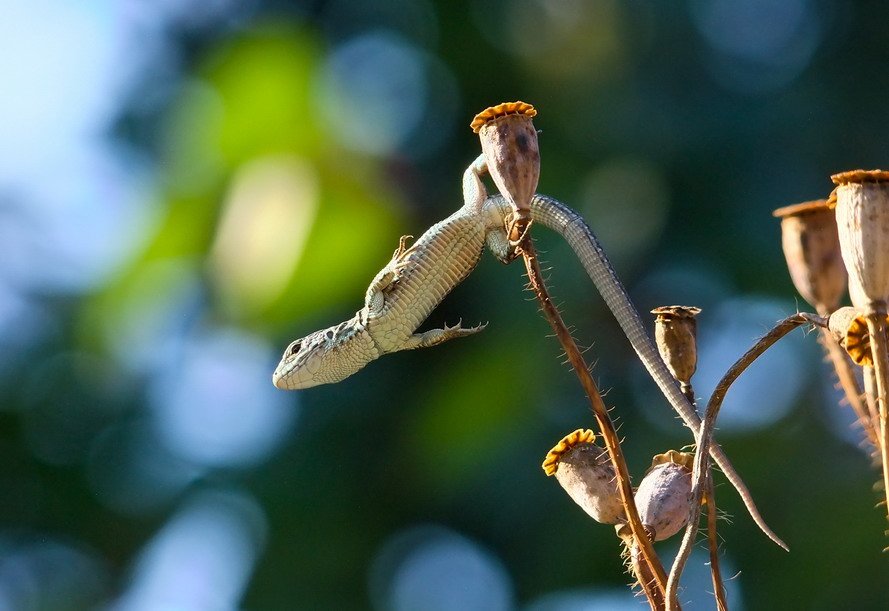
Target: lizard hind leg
(500, 246)
(433, 337)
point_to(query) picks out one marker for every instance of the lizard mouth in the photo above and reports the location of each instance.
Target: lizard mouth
(280, 380)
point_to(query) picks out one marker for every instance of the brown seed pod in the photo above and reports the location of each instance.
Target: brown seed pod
(849, 327)
(509, 142)
(585, 472)
(675, 332)
(664, 495)
(862, 213)
(811, 246)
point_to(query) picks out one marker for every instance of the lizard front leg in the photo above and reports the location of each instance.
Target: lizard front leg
(433, 337)
(375, 297)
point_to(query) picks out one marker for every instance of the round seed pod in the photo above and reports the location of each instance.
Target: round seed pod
(664, 495)
(849, 327)
(862, 214)
(585, 472)
(811, 245)
(675, 333)
(509, 142)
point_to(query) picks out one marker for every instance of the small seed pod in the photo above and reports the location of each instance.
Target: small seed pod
(509, 142)
(862, 213)
(849, 327)
(664, 496)
(811, 246)
(675, 332)
(587, 475)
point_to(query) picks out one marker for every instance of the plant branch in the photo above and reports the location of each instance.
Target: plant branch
(606, 427)
(843, 367)
(876, 327)
(701, 468)
(713, 544)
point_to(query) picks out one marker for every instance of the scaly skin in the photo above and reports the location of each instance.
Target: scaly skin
(418, 278)
(402, 295)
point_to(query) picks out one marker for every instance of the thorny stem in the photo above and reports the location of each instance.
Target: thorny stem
(647, 582)
(843, 367)
(701, 469)
(606, 427)
(713, 544)
(870, 395)
(876, 327)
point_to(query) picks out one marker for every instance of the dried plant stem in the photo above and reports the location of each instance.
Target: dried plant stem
(713, 544)
(843, 367)
(876, 327)
(606, 427)
(646, 579)
(701, 469)
(870, 395)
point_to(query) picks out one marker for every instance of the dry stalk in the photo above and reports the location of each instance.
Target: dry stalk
(870, 395)
(876, 326)
(849, 384)
(606, 427)
(645, 578)
(701, 470)
(713, 544)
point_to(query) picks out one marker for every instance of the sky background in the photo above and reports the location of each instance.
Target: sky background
(186, 186)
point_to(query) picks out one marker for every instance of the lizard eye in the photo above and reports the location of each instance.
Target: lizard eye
(294, 348)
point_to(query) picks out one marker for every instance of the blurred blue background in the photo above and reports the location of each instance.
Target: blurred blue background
(186, 186)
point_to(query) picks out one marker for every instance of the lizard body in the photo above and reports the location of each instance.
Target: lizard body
(402, 295)
(418, 278)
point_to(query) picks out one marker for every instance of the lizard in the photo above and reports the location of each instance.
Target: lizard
(418, 277)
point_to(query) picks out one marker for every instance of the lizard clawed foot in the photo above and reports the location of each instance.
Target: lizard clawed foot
(433, 337)
(465, 330)
(402, 247)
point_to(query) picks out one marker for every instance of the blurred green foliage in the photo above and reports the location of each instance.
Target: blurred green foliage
(674, 146)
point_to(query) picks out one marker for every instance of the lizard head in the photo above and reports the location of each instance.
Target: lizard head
(325, 357)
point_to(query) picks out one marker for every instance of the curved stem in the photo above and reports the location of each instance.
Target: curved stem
(606, 427)
(705, 437)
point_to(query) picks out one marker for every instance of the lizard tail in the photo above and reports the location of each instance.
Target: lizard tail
(562, 219)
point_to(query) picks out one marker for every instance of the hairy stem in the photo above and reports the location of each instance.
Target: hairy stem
(713, 545)
(645, 578)
(606, 427)
(876, 327)
(843, 367)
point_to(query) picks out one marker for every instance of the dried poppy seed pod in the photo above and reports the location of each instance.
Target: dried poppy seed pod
(675, 332)
(849, 327)
(862, 213)
(587, 475)
(664, 496)
(811, 245)
(509, 142)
